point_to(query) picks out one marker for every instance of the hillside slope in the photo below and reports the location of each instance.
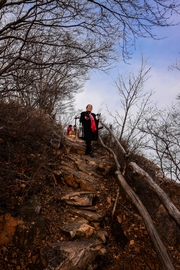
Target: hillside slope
(40, 168)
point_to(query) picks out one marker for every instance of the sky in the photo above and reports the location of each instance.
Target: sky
(165, 83)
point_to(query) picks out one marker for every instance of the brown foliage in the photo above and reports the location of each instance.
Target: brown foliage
(25, 136)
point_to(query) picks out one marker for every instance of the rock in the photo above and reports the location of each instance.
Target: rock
(79, 198)
(76, 255)
(102, 234)
(104, 167)
(8, 226)
(89, 215)
(80, 150)
(77, 179)
(78, 229)
(75, 146)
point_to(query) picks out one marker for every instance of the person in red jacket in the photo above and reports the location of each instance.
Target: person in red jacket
(69, 129)
(90, 127)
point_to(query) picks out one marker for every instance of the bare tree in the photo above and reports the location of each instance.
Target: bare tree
(135, 103)
(145, 128)
(81, 35)
(43, 88)
(163, 131)
(103, 23)
(175, 65)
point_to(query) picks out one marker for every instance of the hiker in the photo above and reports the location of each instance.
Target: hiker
(90, 127)
(69, 130)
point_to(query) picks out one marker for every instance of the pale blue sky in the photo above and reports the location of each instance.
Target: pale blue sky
(160, 54)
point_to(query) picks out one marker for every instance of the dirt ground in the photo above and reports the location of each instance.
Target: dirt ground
(27, 155)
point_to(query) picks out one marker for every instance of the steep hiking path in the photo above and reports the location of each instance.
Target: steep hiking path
(86, 175)
(84, 212)
(74, 213)
(91, 235)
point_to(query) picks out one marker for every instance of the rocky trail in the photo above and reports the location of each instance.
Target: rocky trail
(61, 209)
(84, 234)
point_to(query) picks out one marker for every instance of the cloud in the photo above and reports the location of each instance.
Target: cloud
(166, 85)
(100, 93)
(160, 54)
